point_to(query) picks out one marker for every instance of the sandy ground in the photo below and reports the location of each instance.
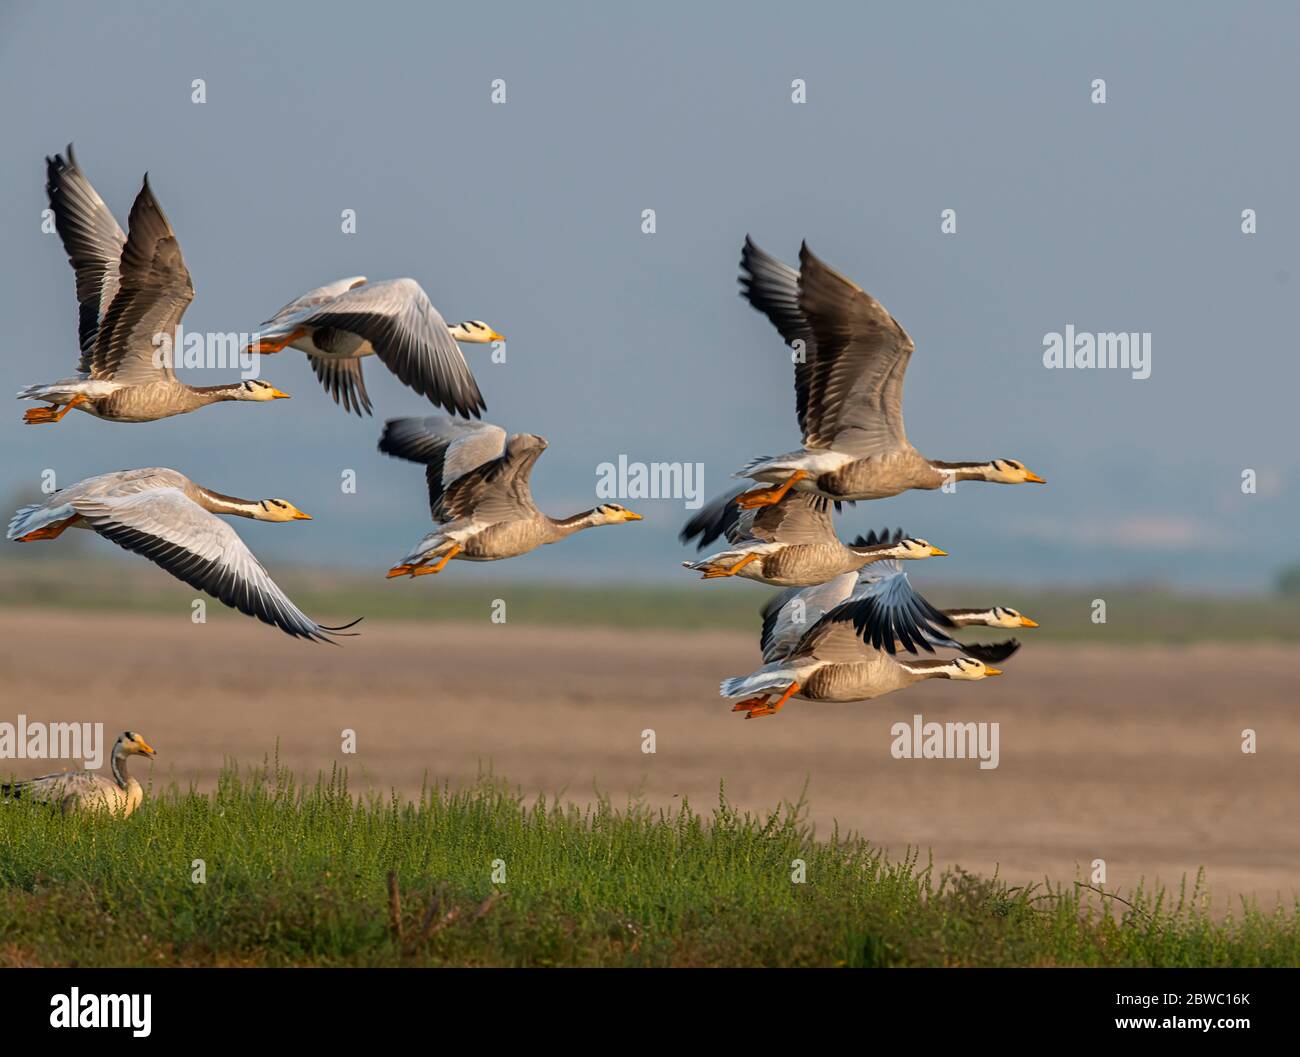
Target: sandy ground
(1128, 755)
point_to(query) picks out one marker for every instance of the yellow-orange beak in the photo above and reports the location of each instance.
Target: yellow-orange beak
(497, 337)
(935, 552)
(990, 670)
(629, 516)
(298, 515)
(1025, 622)
(277, 394)
(149, 750)
(1031, 476)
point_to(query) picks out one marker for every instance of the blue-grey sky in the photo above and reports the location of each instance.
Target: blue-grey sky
(1117, 217)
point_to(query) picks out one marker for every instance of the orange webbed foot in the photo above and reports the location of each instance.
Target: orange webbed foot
(769, 496)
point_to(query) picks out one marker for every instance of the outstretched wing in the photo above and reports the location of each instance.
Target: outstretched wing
(772, 287)
(199, 548)
(465, 462)
(789, 614)
(134, 343)
(499, 491)
(855, 383)
(715, 519)
(884, 609)
(93, 241)
(310, 300)
(798, 518)
(405, 330)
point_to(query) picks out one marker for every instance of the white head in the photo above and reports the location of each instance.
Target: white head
(612, 514)
(129, 743)
(256, 389)
(277, 510)
(1010, 471)
(912, 547)
(968, 668)
(1006, 617)
(476, 332)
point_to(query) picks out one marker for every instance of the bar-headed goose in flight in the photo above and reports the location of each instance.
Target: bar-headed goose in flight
(848, 653)
(338, 324)
(790, 543)
(479, 494)
(119, 794)
(852, 355)
(164, 516)
(133, 290)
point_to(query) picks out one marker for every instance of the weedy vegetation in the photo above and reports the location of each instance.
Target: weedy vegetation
(315, 875)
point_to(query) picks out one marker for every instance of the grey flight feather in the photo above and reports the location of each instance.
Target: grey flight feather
(407, 333)
(93, 240)
(855, 390)
(884, 609)
(797, 518)
(473, 470)
(154, 291)
(344, 381)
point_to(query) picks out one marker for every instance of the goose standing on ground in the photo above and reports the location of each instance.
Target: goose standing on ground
(791, 543)
(479, 494)
(133, 290)
(172, 521)
(89, 790)
(848, 653)
(338, 324)
(848, 388)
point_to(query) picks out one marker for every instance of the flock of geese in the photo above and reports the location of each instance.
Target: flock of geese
(835, 633)
(133, 289)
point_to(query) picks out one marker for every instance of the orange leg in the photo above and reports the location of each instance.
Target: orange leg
(751, 703)
(277, 344)
(50, 532)
(771, 710)
(423, 569)
(714, 573)
(769, 496)
(49, 414)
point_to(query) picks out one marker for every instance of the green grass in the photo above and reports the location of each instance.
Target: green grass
(1134, 614)
(299, 876)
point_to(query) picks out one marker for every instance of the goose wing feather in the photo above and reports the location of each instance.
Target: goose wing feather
(855, 384)
(405, 330)
(301, 306)
(93, 241)
(154, 291)
(798, 518)
(884, 609)
(792, 612)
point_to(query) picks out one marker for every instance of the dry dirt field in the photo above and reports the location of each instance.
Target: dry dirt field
(1129, 755)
